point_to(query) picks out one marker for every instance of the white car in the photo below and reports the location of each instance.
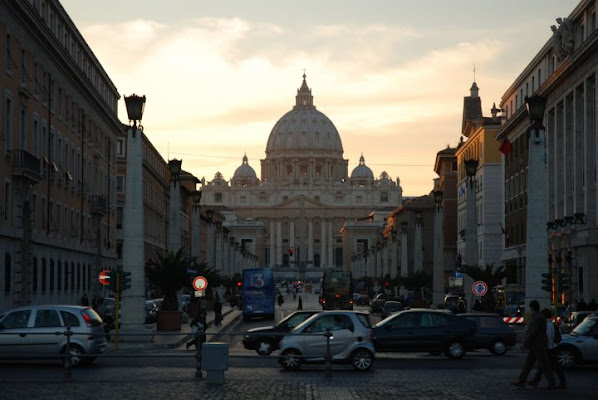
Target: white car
(581, 346)
(38, 332)
(350, 341)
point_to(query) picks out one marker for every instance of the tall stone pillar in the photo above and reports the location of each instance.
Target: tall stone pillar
(418, 264)
(278, 242)
(272, 238)
(196, 233)
(404, 254)
(438, 275)
(133, 299)
(210, 244)
(330, 245)
(323, 243)
(471, 238)
(310, 240)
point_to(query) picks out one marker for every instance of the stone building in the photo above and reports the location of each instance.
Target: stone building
(305, 193)
(564, 72)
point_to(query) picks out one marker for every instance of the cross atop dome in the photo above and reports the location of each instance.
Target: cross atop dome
(304, 99)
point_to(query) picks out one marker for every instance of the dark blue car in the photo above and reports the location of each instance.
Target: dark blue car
(491, 333)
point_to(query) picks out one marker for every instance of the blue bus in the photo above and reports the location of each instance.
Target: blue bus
(258, 293)
(337, 290)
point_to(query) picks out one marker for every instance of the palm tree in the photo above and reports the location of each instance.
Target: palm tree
(489, 275)
(417, 281)
(168, 271)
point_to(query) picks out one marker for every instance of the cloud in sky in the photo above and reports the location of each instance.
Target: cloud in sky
(216, 86)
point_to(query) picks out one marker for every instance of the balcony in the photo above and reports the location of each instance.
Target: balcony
(99, 206)
(25, 165)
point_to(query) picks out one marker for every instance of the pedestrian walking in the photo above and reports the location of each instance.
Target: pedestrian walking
(536, 344)
(198, 327)
(217, 312)
(294, 296)
(300, 304)
(553, 336)
(84, 300)
(280, 300)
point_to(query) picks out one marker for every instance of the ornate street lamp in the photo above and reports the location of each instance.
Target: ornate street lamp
(210, 215)
(438, 194)
(196, 198)
(535, 106)
(175, 168)
(471, 168)
(135, 106)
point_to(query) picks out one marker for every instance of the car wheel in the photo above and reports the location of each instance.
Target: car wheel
(76, 355)
(264, 347)
(566, 357)
(498, 348)
(455, 350)
(362, 359)
(290, 359)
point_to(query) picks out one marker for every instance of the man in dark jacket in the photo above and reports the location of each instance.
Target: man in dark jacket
(536, 344)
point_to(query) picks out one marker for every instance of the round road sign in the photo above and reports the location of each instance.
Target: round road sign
(105, 278)
(200, 283)
(479, 288)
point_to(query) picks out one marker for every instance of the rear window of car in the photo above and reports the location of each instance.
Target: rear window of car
(91, 317)
(365, 320)
(16, 319)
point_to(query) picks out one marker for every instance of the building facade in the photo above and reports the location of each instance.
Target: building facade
(564, 72)
(58, 134)
(305, 193)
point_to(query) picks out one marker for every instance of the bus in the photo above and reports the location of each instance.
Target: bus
(509, 298)
(258, 292)
(337, 290)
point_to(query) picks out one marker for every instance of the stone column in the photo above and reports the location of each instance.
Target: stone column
(310, 240)
(323, 243)
(404, 254)
(272, 238)
(196, 234)
(218, 245)
(278, 242)
(438, 275)
(133, 299)
(536, 236)
(331, 244)
(291, 239)
(471, 238)
(394, 259)
(174, 221)
(418, 264)
(210, 244)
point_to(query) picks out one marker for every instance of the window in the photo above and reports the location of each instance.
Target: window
(8, 126)
(46, 318)
(218, 197)
(119, 217)
(7, 273)
(384, 197)
(17, 319)
(120, 147)
(120, 184)
(7, 197)
(69, 319)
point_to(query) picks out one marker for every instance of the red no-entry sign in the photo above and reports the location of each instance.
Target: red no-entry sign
(200, 283)
(105, 278)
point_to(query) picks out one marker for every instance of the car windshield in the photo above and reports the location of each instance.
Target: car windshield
(589, 326)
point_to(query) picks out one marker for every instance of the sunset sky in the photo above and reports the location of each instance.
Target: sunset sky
(390, 74)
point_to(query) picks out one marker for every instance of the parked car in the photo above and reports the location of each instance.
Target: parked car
(265, 340)
(424, 330)
(363, 300)
(581, 346)
(491, 332)
(391, 306)
(30, 332)
(349, 332)
(378, 302)
(575, 319)
(151, 310)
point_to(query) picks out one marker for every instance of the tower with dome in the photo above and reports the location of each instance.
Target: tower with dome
(304, 195)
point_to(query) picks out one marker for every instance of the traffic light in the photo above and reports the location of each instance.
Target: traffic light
(387, 284)
(547, 282)
(562, 282)
(291, 251)
(125, 280)
(112, 284)
(239, 284)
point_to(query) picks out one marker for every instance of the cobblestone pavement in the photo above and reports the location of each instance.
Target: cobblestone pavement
(266, 383)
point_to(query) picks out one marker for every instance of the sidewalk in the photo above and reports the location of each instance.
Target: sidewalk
(174, 339)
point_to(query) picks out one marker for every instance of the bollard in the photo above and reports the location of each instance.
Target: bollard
(215, 361)
(67, 361)
(329, 336)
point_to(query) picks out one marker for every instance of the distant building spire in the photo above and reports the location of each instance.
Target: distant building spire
(304, 98)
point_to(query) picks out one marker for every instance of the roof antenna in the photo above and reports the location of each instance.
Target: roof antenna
(474, 72)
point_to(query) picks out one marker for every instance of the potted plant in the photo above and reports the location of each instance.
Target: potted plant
(168, 272)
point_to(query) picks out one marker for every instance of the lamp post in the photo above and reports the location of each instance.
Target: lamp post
(404, 255)
(133, 300)
(174, 231)
(536, 236)
(418, 262)
(210, 239)
(196, 236)
(471, 224)
(438, 275)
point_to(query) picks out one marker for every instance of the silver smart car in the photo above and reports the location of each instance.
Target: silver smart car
(33, 332)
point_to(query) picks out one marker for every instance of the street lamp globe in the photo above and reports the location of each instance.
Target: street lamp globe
(471, 168)
(438, 194)
(196, 197)
(535, 106)
(135, 106)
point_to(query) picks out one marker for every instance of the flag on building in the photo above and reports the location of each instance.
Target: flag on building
(506, 147)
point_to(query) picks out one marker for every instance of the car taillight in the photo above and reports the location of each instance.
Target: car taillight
(350, 301)
(337, 295)
(87, 319)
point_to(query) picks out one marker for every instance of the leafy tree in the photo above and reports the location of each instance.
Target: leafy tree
(417, 281)
(168, 272)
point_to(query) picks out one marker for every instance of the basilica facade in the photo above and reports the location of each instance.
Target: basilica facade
(292, 216)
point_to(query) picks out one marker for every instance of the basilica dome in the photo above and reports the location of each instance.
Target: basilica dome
(245, 170)
(362, 171)
(304, 129)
